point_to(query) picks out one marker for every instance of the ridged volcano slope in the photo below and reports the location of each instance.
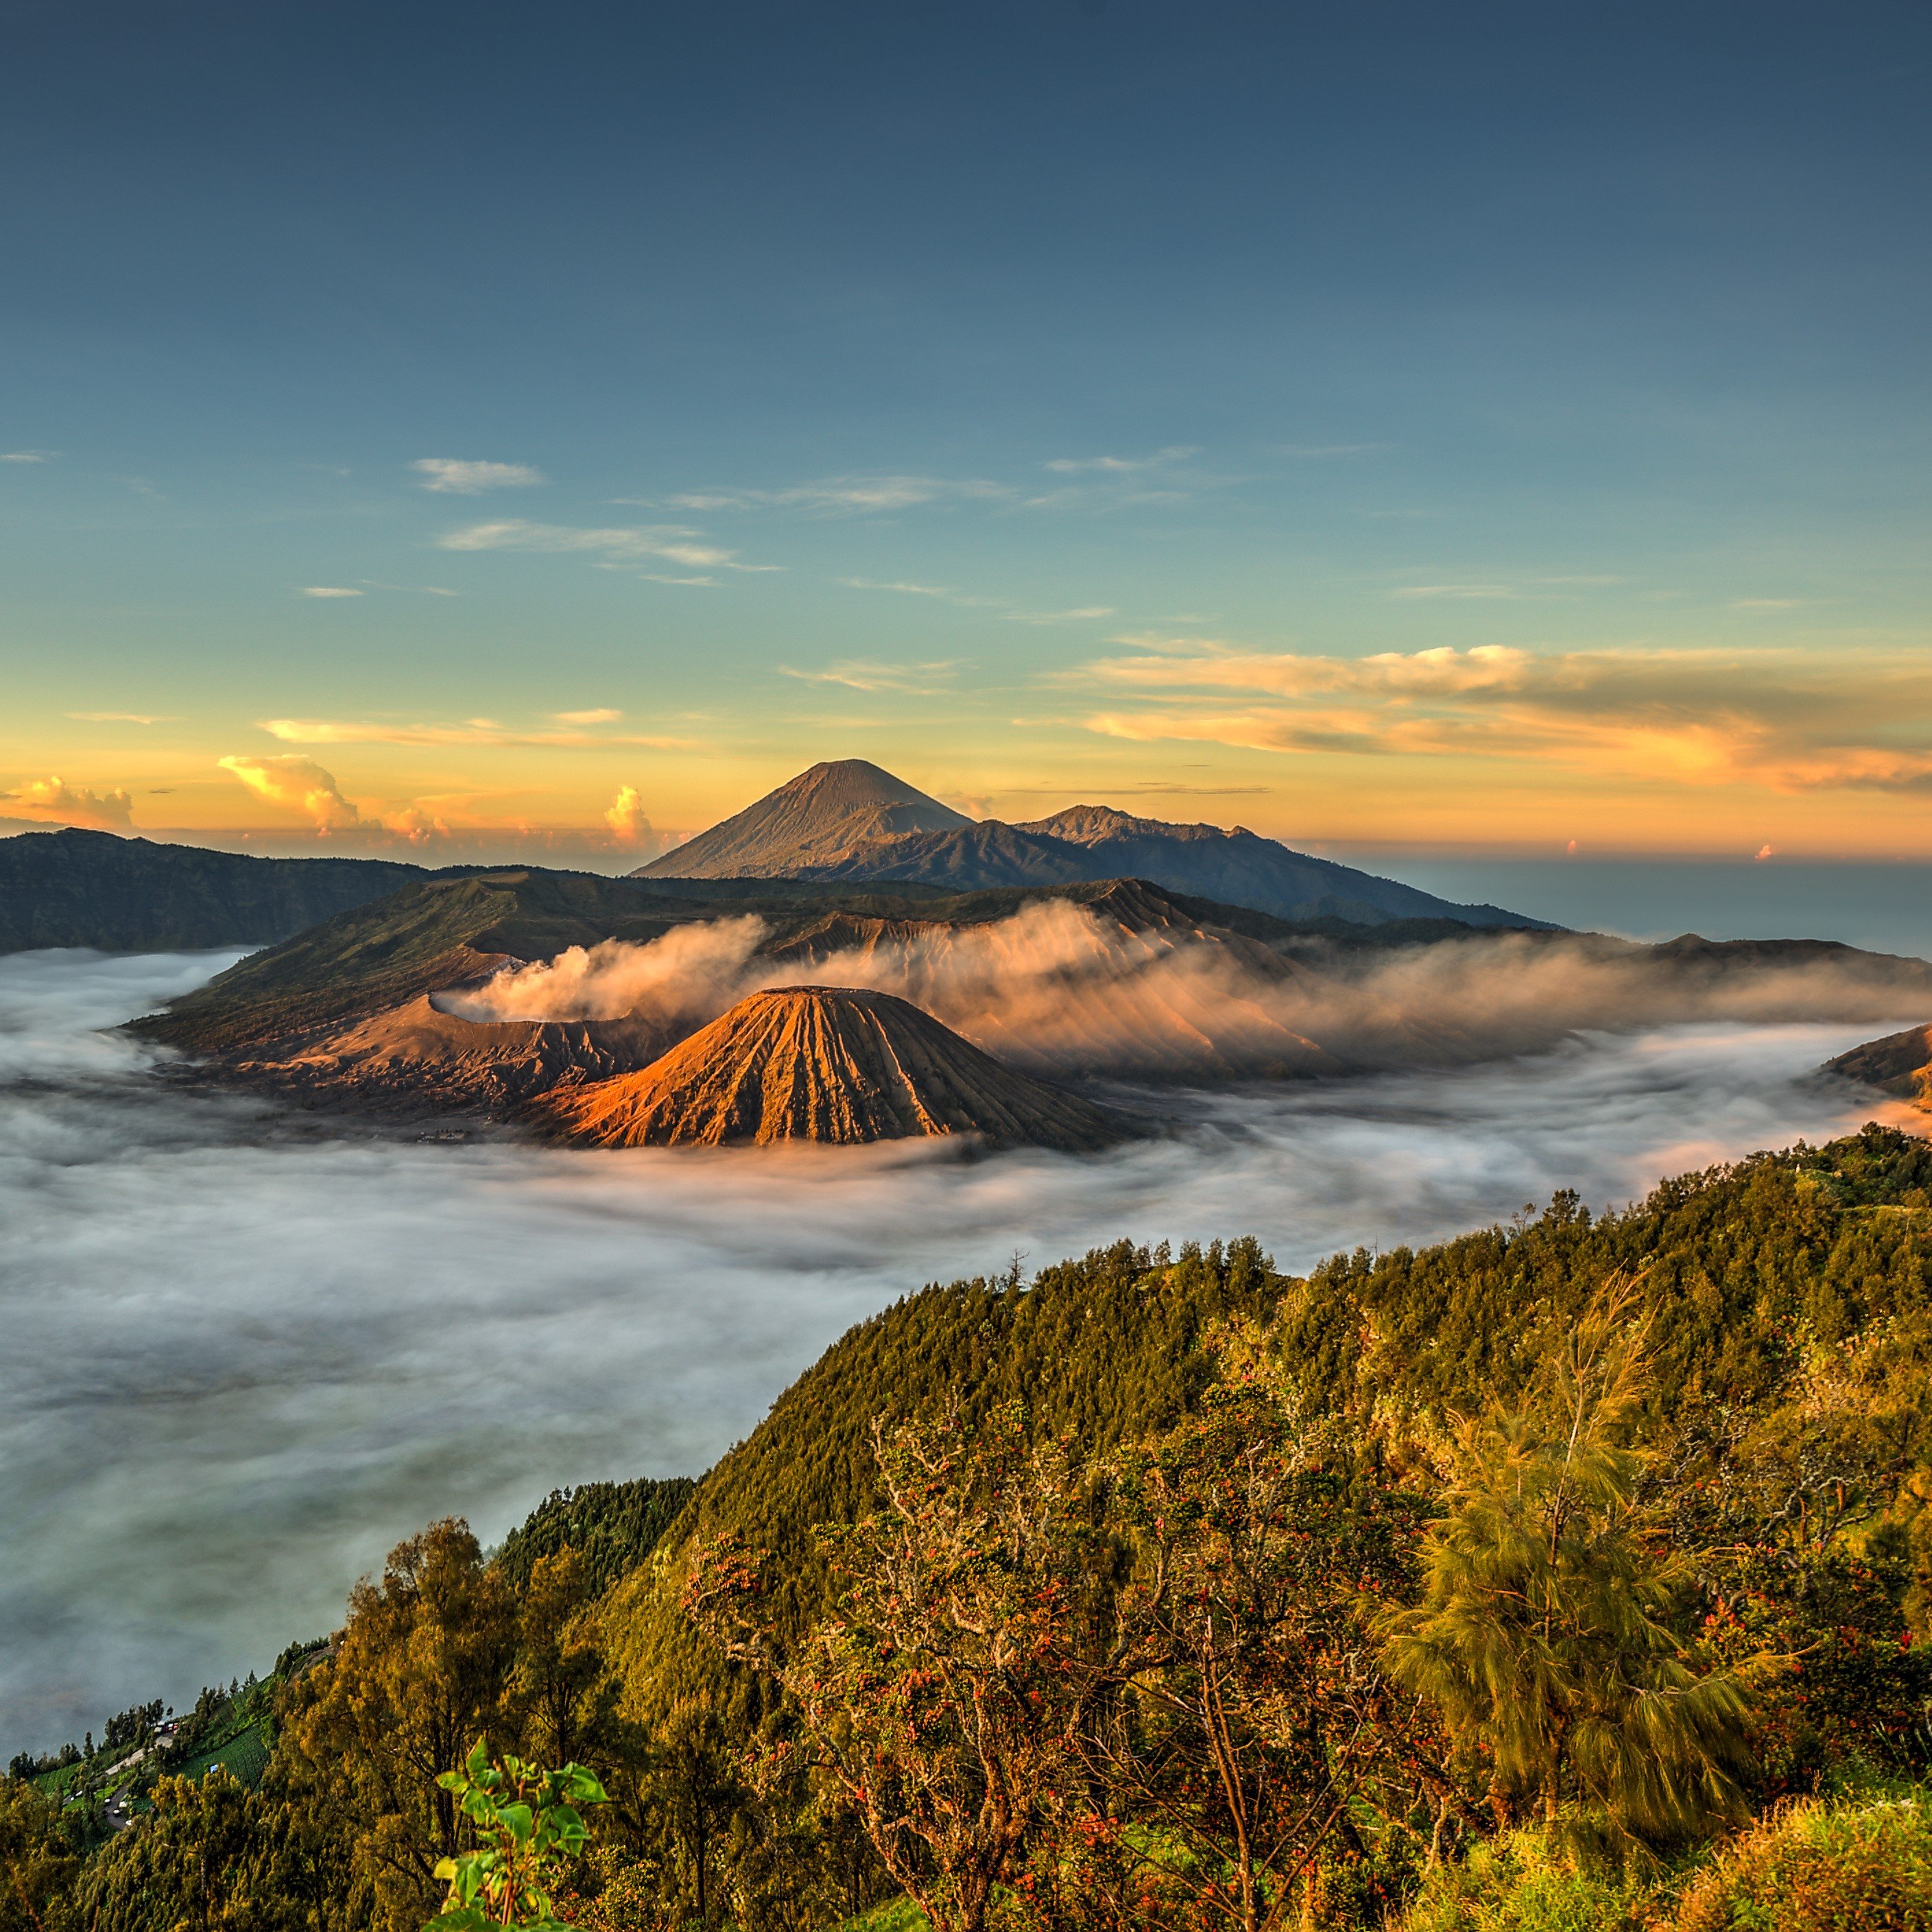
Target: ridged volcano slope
(827, 1064)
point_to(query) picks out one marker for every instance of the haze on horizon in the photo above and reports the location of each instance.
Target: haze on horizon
(1450, 433)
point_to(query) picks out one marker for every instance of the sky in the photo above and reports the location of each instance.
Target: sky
(1498, 432)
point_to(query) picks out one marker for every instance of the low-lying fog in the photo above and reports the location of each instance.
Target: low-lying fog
(244, 1353)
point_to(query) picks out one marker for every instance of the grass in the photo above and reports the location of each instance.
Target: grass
(1859, 1863)
(896, 1914)
(1520, 1883)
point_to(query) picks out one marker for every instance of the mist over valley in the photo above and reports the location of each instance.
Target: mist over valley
(252, 1345)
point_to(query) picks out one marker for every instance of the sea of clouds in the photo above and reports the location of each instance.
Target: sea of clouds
(247, 1350)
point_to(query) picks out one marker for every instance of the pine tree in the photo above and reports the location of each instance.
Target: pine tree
(1543, 1634)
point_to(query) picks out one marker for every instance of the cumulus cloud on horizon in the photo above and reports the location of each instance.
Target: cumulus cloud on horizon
(309, 792)
(299, 785)
(111, 810)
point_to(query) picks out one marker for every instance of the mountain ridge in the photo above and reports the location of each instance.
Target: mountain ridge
(850, 820)
(1900, 1064)
(76, 887)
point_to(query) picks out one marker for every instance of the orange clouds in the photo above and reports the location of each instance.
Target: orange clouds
(299, 785)
(74, 805)
(1697, 717)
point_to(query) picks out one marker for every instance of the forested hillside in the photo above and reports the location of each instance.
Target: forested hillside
(1167, 1589)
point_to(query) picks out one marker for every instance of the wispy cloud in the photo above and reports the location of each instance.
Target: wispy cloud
(1698, 717)
(857, 674)
(672, 542)
(1469, 590)
(328, 590)
(457, 476)
(839, 496)
(1084, 613)
(1118, 465)
(27, 455)
(941, 592)
(122, 717)
(1531, 588)
(474, 731)
(1000, 607)
(603, 714)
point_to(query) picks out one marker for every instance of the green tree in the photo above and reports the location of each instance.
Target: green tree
(421, 1668)
(1238, 1721)
(936, 1699)
(37, 1869)
(693, 1776)
(1546, 1633)
(211, 1856)
(559, 1665)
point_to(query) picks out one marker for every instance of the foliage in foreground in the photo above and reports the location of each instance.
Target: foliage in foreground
(529, 1826)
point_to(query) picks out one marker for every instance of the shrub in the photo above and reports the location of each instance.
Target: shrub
(1815, 1867)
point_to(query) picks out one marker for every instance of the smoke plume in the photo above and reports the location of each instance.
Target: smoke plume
(1059, 990)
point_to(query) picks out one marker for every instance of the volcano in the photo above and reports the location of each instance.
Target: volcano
(827, 1064)
(820, 818)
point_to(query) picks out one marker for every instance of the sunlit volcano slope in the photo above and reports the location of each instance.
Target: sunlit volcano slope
(826, 1064)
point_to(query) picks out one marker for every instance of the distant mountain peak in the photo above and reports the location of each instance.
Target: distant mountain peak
(816, 819)
(849, 783)
(1089, 824)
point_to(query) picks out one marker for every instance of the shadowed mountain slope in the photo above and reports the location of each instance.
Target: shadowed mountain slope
(1900, 1064)
(94, 888)
(814, 819)
(851, 820)
(417, 1058)
(434, 934)
(825, 1064)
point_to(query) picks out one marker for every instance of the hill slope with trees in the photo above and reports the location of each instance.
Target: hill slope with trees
(1535, 1564)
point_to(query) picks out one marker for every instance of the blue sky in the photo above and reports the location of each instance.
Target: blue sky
(1049, 402)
